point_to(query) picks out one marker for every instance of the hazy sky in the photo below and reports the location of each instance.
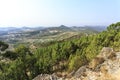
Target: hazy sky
(56, 12)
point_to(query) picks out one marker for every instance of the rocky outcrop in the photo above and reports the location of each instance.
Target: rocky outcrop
(106, 66)
(46, 77)
(106, 53)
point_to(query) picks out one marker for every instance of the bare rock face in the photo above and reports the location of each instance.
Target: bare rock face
(80, 72)
(106, 52)
(46, 77)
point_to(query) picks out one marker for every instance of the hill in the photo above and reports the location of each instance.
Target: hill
(103, 67)
(39, 35)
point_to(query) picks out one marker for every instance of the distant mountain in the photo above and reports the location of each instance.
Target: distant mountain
(93, 28)
(52, 31)
(97, 28)
(25, 34)
(6, 30)
(61, 28)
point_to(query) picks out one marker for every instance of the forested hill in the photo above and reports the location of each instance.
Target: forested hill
(61, 57)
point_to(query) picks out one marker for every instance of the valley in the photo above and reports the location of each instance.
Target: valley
(37, 35)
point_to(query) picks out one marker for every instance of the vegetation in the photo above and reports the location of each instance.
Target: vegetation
(69, 55)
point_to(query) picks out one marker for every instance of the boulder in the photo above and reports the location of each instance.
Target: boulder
(106, 53)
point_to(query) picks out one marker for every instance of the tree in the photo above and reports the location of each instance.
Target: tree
(114, 27)
(3, 46)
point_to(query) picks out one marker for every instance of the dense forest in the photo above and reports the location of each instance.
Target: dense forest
(66, 56)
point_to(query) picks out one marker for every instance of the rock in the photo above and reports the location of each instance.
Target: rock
(80, 72)
(106, 52)
(107, 63)
(117, 55)
(109, 69)
(71, 74)
(95, 62)
(46, 77)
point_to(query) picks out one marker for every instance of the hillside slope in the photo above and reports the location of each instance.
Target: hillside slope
(106, 66)
(101, 65)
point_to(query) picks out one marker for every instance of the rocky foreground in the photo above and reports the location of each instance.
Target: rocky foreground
(106, 66)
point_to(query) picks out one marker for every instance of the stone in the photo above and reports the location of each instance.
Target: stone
(106, 52)
(80, 72)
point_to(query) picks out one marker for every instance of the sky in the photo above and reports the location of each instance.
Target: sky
(32, 13)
